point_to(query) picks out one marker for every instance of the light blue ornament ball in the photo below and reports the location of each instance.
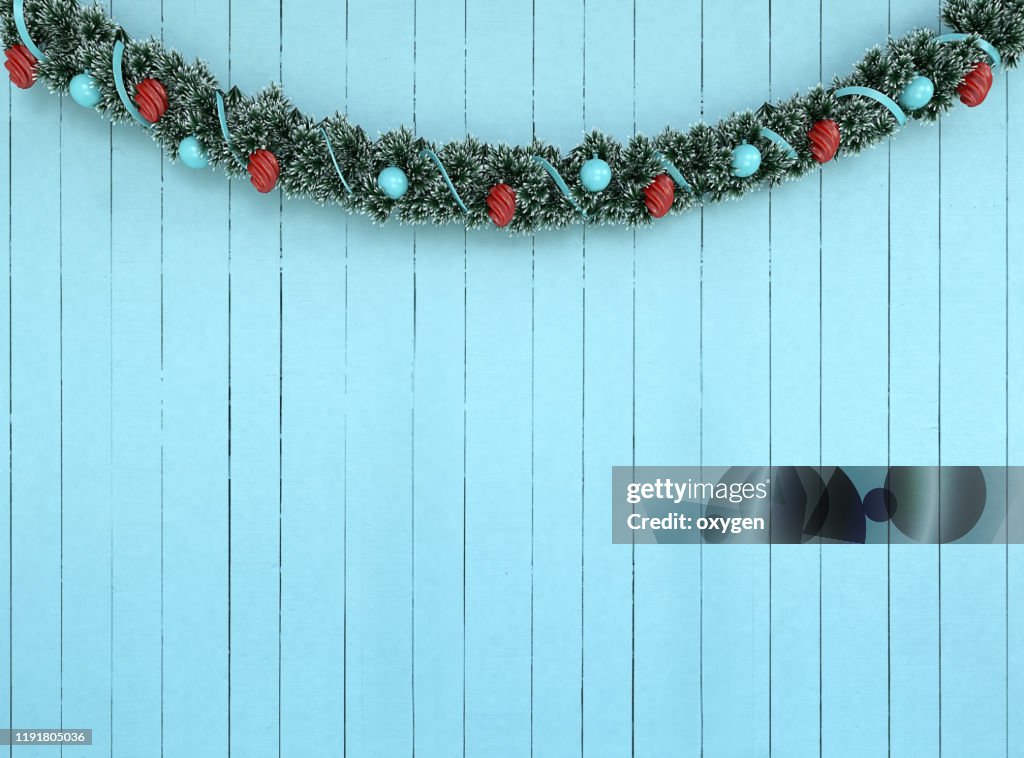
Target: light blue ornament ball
(393, 182)
(85, 91)
(918, 93)
(596, 175)
(746, 160)
(192, 153)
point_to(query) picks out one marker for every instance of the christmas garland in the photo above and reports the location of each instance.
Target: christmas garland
(80, 51)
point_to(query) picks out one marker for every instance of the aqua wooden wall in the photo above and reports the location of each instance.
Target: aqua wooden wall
(284, 483)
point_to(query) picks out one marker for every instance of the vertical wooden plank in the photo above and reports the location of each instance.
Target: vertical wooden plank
(608, 396)
(735, 312)
(135, 260)
(913, 418)
(498, 406)
(379, 432)
(795, 324)
(6, 333)
(972, 419)
(254, 408)
(667, 689)
(86, 402)
(439, 344)
(195, 424)
(35, 410)
(854, 421)
(1014, 87)
(313, 411)
(557, 495)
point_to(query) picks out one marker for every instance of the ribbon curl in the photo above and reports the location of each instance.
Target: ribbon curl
(546, 165)
(19, 22)
(447, 179)
(878, 97)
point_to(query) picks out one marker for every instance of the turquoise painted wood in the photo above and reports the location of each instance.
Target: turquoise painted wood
(281, 482)
(136, 222)
(735, 322)
(34, 384)
(794, 257)
(379, 402)
(255, 437)
(1014, 90)
(913, 426)
(312, 419)
(6, 555)
(86, 404)
(498, 381)
(438, 422)
(195, 401)
(558, 407)
(853, 426)
(608, 708)
(667, 311)
(973, 269)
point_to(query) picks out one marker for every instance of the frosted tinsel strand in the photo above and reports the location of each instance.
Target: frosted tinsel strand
(79, 38)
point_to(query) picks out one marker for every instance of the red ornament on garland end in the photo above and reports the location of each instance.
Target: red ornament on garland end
(264, 170)
(825, 140)
(501, 205)
(659, 196)
(151, 97)
(976, 86)
(21, 65)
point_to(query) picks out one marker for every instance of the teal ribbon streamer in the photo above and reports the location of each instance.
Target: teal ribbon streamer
(779, 140)
(561, 183)
(447, 179)
(334, 160)
(988, 47)
(878, 97)
(223, 117)
(122, 92)
(675, 173)
(19, 21)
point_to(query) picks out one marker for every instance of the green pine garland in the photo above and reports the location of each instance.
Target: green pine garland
(77, 39)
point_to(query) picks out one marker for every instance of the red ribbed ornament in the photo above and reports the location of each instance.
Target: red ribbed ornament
(501, 205)
(21, 65)
(825, 140)
(264, 170)
(151, 97)
(976, 86)
(659, 195)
